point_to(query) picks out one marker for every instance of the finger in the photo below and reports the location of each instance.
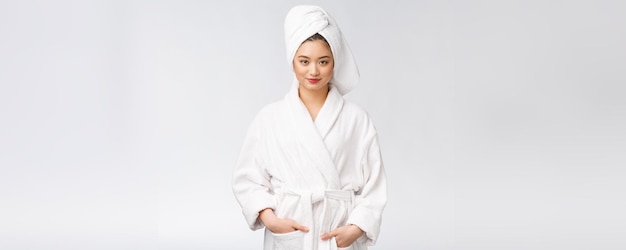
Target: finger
(329, 235)
(300, 227)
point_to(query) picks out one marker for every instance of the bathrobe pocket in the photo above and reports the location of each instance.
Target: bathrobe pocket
(334, 243)
(288, 208)
(286, 241)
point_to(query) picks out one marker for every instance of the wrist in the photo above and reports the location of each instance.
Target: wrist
(267, 217)
(357, 229)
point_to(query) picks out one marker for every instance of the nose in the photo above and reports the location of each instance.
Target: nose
(314, 71)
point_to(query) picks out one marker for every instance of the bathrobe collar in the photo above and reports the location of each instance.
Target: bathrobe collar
(327, 115)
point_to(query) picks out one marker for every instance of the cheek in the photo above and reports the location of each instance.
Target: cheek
(328, 71)
(297, 69)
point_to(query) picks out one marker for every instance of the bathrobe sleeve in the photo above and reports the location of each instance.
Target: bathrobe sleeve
(251, 182)
(372, 198)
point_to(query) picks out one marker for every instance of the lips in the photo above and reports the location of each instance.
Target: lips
(313, 80)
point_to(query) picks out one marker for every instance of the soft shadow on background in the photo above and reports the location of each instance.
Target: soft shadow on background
(502, 123)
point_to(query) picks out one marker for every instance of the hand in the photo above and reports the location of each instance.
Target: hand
(344, 236)
(278, 225)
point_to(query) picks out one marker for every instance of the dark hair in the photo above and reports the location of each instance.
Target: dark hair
(317, 37)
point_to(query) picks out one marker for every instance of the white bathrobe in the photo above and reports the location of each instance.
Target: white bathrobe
(322, 174)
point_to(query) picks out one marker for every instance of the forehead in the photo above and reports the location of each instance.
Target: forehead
(317, 48)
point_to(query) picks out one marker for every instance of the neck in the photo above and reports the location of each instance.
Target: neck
(313, 99)
(313, 96)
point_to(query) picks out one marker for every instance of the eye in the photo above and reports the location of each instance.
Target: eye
(323, 62)
(305, 62)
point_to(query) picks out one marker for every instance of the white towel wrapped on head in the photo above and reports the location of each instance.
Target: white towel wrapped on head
(302, 22)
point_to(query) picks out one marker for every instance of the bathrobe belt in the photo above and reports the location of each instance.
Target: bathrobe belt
(310, 198)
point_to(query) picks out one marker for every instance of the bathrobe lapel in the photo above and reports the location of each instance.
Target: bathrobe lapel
(327, 116)
(310, 135)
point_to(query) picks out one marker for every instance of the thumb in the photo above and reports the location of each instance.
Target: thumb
(300, 227)
(329, 235)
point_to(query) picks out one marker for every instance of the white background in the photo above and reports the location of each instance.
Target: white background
(502, 123)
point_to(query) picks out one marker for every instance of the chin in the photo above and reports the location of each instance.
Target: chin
(309, 86)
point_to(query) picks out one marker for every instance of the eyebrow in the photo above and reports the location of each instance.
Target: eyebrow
(306, 57)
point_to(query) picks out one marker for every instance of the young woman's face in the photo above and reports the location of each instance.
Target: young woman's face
(313, 65)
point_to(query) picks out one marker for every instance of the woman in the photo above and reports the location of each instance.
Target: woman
(310, 170)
